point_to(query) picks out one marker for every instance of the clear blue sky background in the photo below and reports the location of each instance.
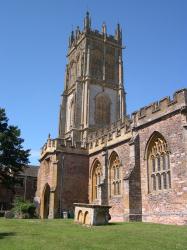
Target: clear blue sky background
(33, 46)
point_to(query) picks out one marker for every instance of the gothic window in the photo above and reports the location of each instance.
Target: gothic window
(153, 178)
(115, 175)
(79, 65)
(158, 164)
(164, 180)
(71, 114)
(72, 73)
(97, 68)
(96, 180)
(102, 110)
(110, 70)
(82, 65)
(97, 64)
(153, 164)
(110, 64)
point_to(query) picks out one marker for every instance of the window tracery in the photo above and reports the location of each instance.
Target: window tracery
(96, 180)
(72, 73)
(115, 175)
(102, 110)
(71, 113)
(110, 64)
(158, 164)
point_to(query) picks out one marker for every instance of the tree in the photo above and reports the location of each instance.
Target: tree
(13, 158)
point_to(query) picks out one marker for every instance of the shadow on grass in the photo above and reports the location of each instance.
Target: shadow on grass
(113, 223)
(6, 234)
(110, 224)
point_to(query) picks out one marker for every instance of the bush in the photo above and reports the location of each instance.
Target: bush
(23, 209)
(9, 215)
(2, 213)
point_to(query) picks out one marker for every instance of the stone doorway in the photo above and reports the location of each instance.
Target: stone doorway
(46, 199)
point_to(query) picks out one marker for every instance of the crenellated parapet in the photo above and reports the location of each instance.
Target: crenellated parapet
(115, 133)
(62, 145)
(77, 35)
(159, 109)
(121, 130)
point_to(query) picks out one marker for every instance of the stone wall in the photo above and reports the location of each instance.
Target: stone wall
(168, 206)
(117, 202)
(64, 168)
(129, 140)
(95, 66)
(68, 168)
(74, 172)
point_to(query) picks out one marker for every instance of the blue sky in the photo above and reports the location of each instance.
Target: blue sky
(33, 46)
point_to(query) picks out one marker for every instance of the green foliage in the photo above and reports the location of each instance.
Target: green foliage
(13, 157)
(23, 209)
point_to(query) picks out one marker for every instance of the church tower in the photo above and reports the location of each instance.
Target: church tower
(94, 95)
(93, 98)
(103, 159)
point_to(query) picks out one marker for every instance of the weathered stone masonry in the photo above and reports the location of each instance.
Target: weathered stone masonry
(136, 202)
(137, 164)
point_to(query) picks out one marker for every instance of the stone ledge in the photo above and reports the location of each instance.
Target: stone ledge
(91, 205)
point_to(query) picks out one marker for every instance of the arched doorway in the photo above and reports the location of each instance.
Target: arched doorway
(45, 201)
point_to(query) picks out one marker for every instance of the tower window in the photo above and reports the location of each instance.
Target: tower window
(71, 113)
(102, 110)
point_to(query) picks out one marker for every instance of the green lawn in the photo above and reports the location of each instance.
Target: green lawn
(64, 234)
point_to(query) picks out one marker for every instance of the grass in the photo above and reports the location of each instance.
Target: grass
(64, 234)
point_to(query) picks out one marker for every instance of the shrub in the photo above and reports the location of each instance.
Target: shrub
(23, 209)
(9, 215)
(2, 213)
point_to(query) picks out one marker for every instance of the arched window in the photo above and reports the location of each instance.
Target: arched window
(71, 113)
(72, 73)
(96, 180)
(115, 175)
(102, 110)
(158, 164)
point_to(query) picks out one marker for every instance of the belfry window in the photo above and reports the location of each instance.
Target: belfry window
(71, 114)
(115, 175)
(158, 164)
(102, 110)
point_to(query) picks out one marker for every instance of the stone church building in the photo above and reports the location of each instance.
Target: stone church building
(137, 164)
